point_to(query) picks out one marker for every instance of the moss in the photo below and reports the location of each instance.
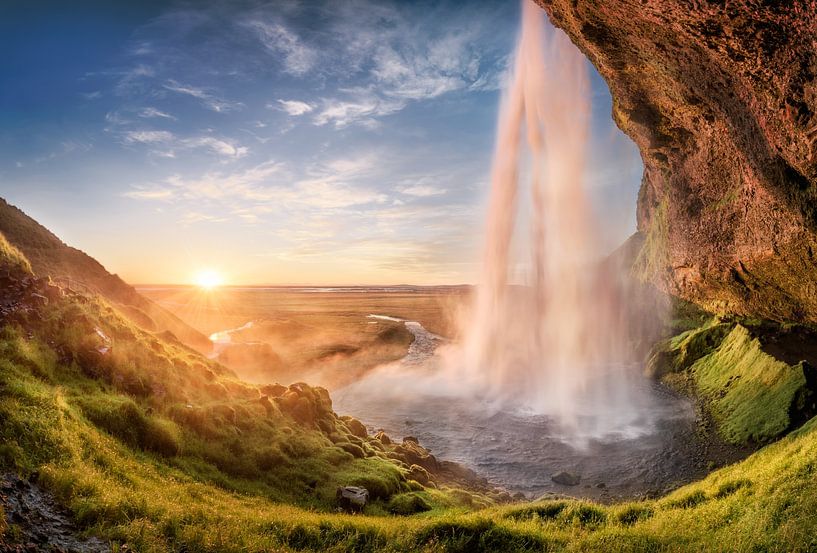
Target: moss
(408, 504)
(680, 352)
(653, 259)
(749, 392)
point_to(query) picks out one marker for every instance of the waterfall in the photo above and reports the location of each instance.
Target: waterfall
(551, 342)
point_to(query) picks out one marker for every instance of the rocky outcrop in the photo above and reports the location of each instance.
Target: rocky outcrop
(721, 99)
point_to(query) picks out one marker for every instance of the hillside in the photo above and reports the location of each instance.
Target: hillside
(49, 256)
(148, 443)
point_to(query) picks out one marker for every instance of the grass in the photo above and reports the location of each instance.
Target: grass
(753, 396)
(12, 258)
(155, 446)
(750, 392)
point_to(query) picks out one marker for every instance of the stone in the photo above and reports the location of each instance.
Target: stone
(356, 427)
(383, 438)
(721, 100)
(564, 478)
(419, 474)
(352, 498)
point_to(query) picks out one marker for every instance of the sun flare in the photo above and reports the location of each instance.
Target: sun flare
(207, 279)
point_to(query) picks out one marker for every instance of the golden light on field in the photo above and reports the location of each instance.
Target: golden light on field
(208, 279)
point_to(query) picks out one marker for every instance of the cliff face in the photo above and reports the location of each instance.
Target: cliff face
(721, 98)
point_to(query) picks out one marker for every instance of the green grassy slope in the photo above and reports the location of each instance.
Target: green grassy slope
(129, 488)
(753, 395)
(151, 444)
(49, 256)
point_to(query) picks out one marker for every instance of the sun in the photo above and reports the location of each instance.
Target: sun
(208, 279)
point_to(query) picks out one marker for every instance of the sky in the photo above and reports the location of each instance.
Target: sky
(287, 142)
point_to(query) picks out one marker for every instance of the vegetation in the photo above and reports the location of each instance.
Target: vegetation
(753, 395)
(12, 258)
(147, 442)
(653, 258)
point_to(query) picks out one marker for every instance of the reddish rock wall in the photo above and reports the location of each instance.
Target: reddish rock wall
(721, 98)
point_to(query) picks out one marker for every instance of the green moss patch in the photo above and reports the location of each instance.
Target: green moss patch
(750, 393)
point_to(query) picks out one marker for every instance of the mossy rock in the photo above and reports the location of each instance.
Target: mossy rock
(408, 504)
(751, 394)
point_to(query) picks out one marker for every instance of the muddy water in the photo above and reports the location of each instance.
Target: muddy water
(521, 451)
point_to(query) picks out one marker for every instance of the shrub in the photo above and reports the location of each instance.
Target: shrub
(408, 504)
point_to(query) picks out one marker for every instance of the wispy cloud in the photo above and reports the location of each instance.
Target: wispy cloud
(207, 99)
(364, 109)
(170, 142)
(151, 112)
(149, 194)
(293, 107)
(423, 191)
(297, 57)
(148, 137)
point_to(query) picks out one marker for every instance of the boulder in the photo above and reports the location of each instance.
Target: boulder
(564, 478)
(419, 474)
(352, 498)
(356, 427)
(383, 438)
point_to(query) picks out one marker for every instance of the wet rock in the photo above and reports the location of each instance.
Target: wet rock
(564, 478)
(42, 525)
(356, 427)
(419, 474)
(413, 453)
(352, 498)
(383, 438)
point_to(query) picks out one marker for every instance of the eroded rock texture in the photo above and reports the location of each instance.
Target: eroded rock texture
(721, 98)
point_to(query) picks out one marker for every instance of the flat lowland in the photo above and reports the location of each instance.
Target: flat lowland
(320, 335)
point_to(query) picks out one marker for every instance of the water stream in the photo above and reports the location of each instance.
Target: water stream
(517, 448)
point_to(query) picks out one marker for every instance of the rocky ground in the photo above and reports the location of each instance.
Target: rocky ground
(37, 523)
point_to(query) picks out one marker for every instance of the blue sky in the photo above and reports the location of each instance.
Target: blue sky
(332, 142)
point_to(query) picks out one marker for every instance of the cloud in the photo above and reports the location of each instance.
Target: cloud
(294, 107)
(364, 110)
(148, 137)
(218, 146)
(150, 113)
(207, 99)
(422, 191)
(298, 58)
(149, 194)
(170, 142)
(197, 217)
